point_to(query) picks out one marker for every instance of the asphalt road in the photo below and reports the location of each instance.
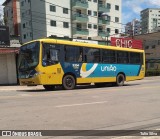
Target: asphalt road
(131, 107)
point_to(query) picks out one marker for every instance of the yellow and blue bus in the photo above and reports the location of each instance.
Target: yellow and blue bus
(54, 62)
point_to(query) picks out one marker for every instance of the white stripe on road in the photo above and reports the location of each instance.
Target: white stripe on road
(81, 104)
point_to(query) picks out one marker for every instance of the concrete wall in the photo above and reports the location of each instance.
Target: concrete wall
(8, 69)
(11, 64)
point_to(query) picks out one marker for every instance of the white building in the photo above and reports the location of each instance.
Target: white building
(150, 20)
(133, 28)
(12, 16)
(86, 19)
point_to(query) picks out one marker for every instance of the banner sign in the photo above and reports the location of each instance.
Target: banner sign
(4, 36)
(126, 43)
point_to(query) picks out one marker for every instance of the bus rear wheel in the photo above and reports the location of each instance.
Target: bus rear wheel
(120, 80)
(49, 87)
(69, 82)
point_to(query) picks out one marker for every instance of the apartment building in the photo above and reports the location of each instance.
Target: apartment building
(133, 28)
(85, 19)
(12, 16)
(150, 20)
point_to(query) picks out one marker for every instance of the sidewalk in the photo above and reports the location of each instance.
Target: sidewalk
(18, 87)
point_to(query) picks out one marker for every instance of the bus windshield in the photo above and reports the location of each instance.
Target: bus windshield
(29, 56)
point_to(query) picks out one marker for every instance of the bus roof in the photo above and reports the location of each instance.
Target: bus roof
(60, 41)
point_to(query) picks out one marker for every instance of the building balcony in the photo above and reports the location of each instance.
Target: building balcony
(103, 34)
(80, 18)
(103, 8)
(83, 4)
(80, 32)
(103, 21)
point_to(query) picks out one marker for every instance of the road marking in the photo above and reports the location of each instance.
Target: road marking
(81, 104)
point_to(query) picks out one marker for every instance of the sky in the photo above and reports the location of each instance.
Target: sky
(130, 8)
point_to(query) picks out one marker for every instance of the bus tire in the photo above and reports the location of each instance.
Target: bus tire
(69, 82)
(120, 80)
(49, 87)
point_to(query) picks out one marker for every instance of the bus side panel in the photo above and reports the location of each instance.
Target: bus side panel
(89, 72)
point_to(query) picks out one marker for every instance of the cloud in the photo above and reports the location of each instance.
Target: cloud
(132, 8)
(135, 6)
(154, 2)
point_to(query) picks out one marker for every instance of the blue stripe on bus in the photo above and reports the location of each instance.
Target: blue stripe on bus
(102, 70)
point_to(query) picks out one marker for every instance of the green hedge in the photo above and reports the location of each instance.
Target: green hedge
(152, 72)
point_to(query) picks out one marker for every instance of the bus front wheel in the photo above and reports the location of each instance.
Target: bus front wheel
(120, 80)
(49, 87)
(69, 82)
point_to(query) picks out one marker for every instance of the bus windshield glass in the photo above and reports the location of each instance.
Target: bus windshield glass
(29, 56)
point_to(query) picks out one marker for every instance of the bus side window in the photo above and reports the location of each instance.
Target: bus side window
(135, 58)
(80, 59)
(73, 54)
(50, 55)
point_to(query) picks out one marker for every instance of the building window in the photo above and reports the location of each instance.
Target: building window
(29, 1)
(117, 7)
(158, 42)
(29, 23)
(108, 18)
(24, 36)
(52, 8)
(53, 23)
(22, 3)
(95, 13)
(31, 34)
(108, 30)
(95, 1)
(89, 26)
(116, 31)
(153, 47)
(95, 26)
(89, 12)
(23, 15)
(65, 24)
(65, 10)
(116, 19)
(24, 26)
(108, 6)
